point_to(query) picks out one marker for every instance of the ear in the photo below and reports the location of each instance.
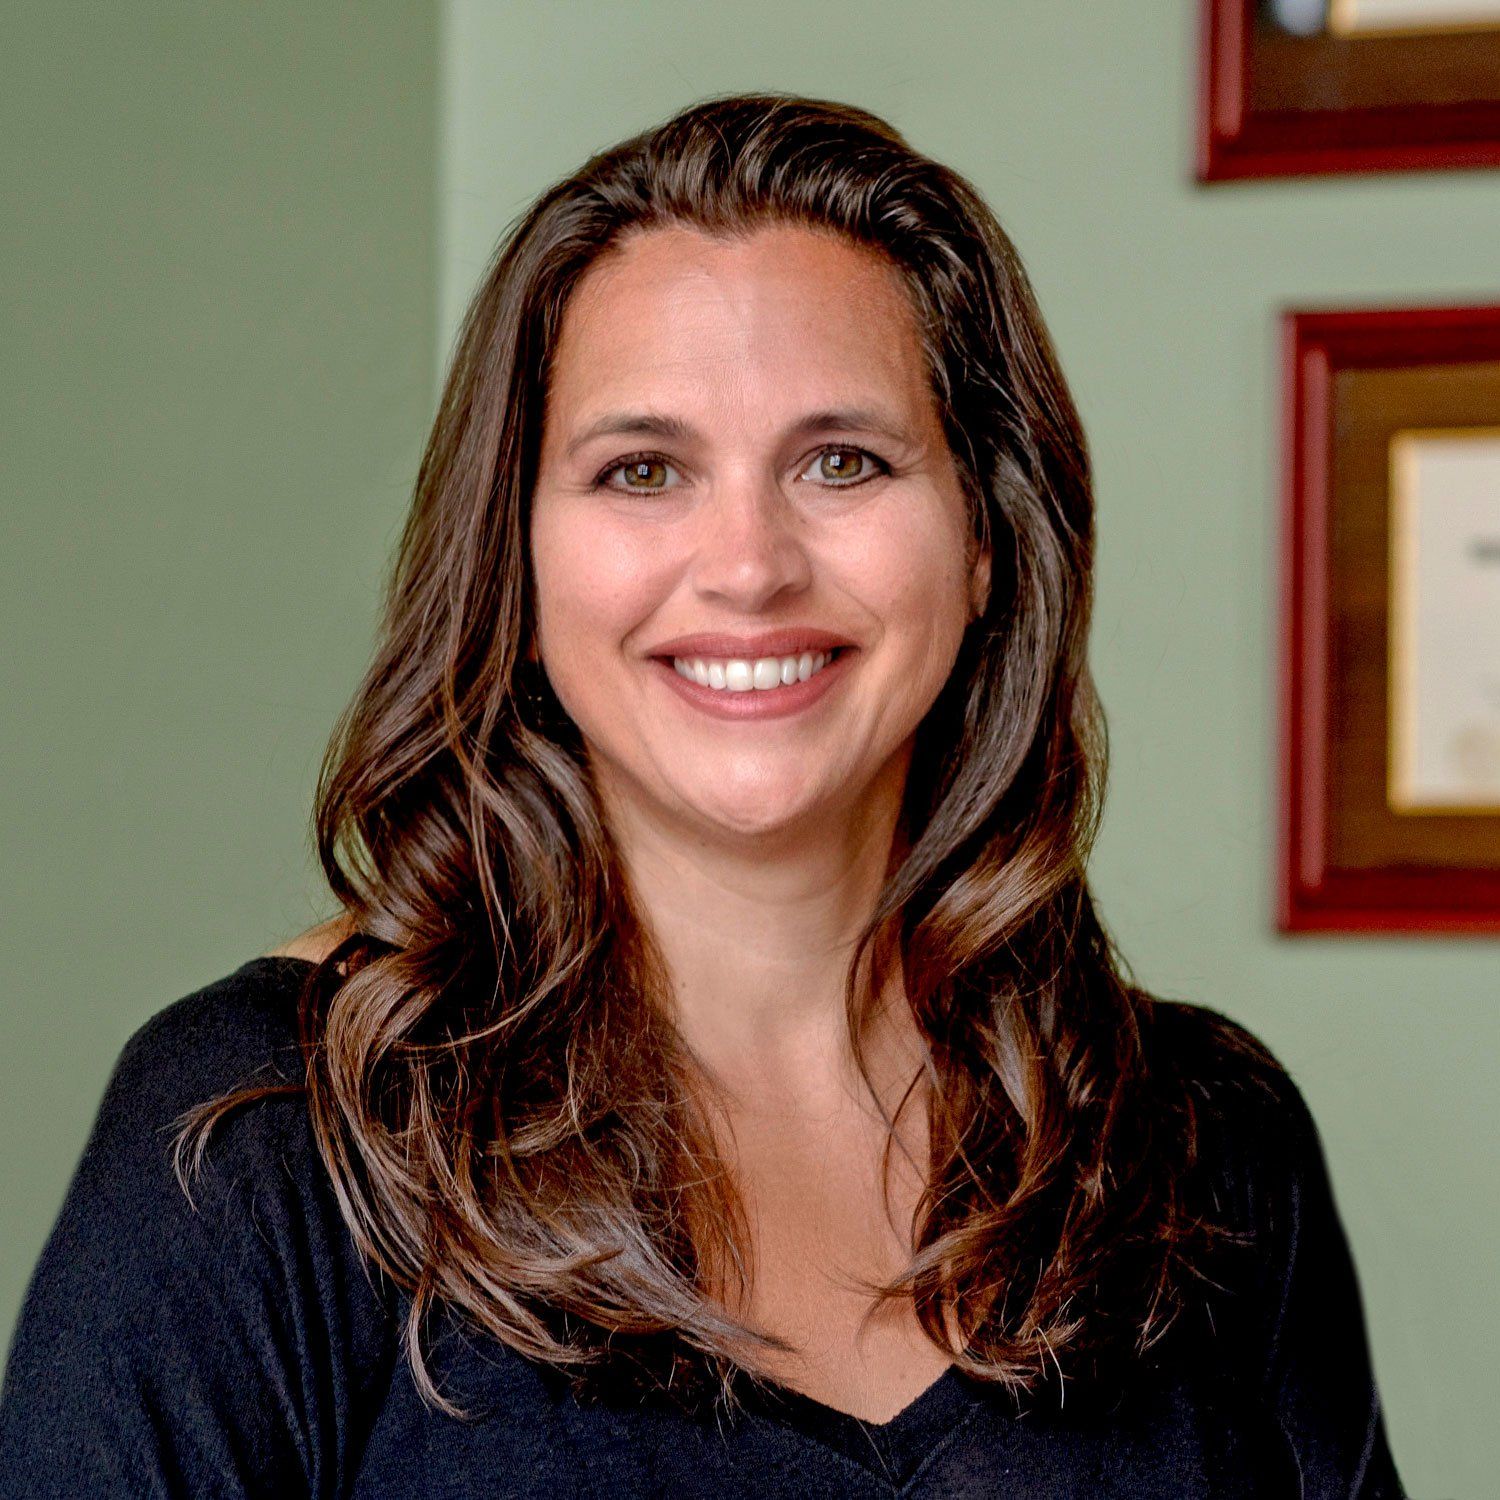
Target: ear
(979, 585)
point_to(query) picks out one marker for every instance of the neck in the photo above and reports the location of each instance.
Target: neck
(758, 937)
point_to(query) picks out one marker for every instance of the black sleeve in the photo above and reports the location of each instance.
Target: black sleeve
(1318, 1369)
(232, 1349)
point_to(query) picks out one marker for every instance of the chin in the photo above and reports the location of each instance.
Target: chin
(757, 811)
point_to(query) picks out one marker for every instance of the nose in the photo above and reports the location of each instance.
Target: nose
(749, 547)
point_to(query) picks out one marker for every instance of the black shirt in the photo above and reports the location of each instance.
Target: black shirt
(240, 1348)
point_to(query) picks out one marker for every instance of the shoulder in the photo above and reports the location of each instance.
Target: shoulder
(1253, 1147)
(239, 1030)
(1229, 1074)
(248, 1202)
(1255, 1161)
(246, 1243)
(1282, 1310)
(318, 942)
(253, 1223)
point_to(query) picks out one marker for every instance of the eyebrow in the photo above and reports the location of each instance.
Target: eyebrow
(658, 425)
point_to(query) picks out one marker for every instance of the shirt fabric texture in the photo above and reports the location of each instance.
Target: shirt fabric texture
(241, 1348)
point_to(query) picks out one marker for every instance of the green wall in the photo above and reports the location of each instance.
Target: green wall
(1076, 123)
(246, 235)
(219, 262)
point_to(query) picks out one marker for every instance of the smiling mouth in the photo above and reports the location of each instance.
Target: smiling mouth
(737, 674)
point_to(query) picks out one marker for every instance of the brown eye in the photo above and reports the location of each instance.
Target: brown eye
(644, 473)
(843, 463)
(843, 468)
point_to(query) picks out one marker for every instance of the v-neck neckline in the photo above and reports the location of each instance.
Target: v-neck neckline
(892, 1450)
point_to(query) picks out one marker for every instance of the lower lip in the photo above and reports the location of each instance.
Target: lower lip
(757, 703)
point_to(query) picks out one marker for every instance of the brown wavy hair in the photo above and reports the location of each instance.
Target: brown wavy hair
(512, 1126)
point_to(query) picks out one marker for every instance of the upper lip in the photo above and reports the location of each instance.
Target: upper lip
(791, 640)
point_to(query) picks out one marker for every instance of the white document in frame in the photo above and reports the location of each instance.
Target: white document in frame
(1355, 17)
(1445, 620)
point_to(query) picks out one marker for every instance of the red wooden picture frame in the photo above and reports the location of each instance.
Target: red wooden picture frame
(1277, 106)
(1345, 861)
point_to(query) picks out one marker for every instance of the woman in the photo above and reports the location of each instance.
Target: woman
(718, 1080)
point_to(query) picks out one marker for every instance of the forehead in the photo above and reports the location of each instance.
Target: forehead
(785, 315)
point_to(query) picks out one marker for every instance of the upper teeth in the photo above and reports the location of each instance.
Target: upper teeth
(740, 676)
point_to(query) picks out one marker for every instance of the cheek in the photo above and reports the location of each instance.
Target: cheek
(594, 582)
(911, 576)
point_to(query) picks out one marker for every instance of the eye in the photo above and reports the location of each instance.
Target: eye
(837, 467)
(841, 468)
(643, 472)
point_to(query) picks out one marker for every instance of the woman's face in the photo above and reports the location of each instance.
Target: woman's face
(740, 441)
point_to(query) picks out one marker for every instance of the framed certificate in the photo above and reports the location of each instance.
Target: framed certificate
(1289, 87)
(1364, 17)
(1390, 636)
(1445, 621)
